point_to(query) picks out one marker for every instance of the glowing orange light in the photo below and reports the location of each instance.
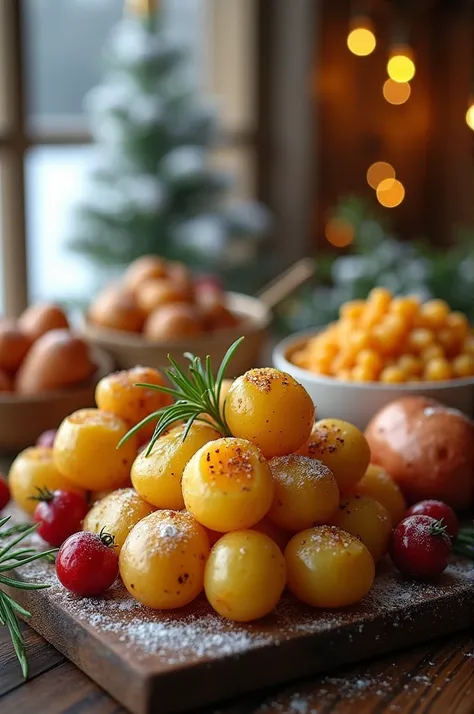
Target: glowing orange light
(401, 64)
(390, 193)
(378, 172)
(361, 38)
(396, 92)
(470, 116)
(339, 232)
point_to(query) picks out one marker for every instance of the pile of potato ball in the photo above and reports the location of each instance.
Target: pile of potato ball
(283, 502)
(162, 301)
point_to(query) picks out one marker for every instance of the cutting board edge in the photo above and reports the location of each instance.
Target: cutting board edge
(142, 691)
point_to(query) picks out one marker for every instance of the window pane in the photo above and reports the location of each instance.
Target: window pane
(54, 176)
(63, 47)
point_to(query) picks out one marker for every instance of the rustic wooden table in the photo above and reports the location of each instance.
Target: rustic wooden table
(437, 677)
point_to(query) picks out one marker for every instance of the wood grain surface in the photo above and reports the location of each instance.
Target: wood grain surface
(434, 678)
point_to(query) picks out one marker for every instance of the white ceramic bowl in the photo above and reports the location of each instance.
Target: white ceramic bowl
(357, 402)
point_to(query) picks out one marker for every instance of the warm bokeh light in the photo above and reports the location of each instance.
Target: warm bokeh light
(401, 65)
(390, 193)
(470, 116)
(339, 232)
(396, 92)
(378, 172)
(361, 38)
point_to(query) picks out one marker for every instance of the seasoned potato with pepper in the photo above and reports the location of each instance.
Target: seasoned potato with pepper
(118, 394)
(270, 409)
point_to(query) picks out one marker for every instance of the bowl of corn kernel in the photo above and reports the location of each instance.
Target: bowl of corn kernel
(380, 349)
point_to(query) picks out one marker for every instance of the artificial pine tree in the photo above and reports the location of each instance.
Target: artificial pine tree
(151, 188)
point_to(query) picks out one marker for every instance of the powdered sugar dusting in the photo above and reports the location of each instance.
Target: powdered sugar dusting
(197, 633)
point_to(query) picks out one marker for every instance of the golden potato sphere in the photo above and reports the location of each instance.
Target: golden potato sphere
(157, 477)
(270, 409)
(367, 520)
(85, 450)
(342, 447)
(34, 469)
(327, 567)
(117, 513)
(118, 393)
(245, 575)
(377, 484)
(163, 559)
(227, 485)
(306, 492)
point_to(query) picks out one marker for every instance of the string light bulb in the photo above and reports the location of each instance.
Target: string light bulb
(390, 193)
(396, 92)
(378, 172)
(339, 232)
(401, 64)
(361, 39)
(470, 115)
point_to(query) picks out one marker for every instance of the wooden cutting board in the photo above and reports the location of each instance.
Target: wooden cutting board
(170, 662)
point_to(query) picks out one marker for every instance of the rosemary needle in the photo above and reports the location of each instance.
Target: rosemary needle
(196, 393)
(14, 558)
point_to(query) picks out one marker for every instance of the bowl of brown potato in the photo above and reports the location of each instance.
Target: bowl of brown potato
(46, 371)
(158, 308)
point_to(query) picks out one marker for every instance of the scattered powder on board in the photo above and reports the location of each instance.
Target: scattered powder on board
(197, 632)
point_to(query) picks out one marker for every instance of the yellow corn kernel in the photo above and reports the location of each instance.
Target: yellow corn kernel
(392, 375)
(463, 365)
(431, 352)
(352, 309)
(437, 370)
(362, 373)
(458, 323)
(410, 365)
(434, 313)
(419, 338)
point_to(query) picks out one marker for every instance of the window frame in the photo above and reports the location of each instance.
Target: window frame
(18, 134)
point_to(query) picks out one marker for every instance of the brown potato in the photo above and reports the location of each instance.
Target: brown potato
(40, 318)
(173, 322)
(155, 293)
(57, 359)
(6, 382)
(179, 274)
(213, 309)
(148, 267)
(14, 345)
(427, 448)
(116, 309)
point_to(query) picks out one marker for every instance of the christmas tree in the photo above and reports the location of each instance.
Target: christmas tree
(151, 188)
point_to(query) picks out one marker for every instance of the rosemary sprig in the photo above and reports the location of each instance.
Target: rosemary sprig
(196, 393)
(12, 559)
(464, 542)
